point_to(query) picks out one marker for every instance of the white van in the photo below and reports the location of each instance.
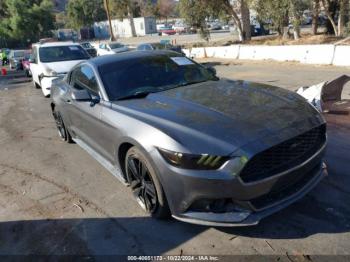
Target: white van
(51, 60)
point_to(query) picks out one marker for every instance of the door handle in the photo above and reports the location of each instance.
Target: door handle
(68, 101)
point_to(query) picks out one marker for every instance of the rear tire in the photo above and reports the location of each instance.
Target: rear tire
(145, 184)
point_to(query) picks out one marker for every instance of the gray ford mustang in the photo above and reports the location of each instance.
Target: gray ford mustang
(205, 150)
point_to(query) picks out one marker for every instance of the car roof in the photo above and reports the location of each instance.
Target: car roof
(49, 44)
(19, 50)
(110, 59)
(153, 43)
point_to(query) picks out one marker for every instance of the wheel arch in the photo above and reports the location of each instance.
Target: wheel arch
(122, 151)
(52, 105)
(123, 148)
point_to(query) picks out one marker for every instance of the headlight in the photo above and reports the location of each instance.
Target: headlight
(190, 161)
(49, 72)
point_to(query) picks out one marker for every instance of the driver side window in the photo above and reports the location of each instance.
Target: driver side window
(147, 47)
(83, 77)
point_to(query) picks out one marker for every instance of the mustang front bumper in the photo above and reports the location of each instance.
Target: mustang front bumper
(249, 202)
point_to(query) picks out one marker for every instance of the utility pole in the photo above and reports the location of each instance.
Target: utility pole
(106, 5)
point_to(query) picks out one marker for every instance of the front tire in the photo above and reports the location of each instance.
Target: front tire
(36, 85)
(145, 184)
(62, 130)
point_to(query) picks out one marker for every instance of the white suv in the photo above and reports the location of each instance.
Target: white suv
(51, 60)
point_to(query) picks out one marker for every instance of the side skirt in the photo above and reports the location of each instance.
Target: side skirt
(115, 171)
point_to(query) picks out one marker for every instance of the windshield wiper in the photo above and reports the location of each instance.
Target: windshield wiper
(142, 94)
(191, 83)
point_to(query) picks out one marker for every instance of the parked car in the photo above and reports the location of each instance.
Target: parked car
(89, 48)
(52, 60)
(25, 65)
(15, 58)
(214, 26)
(207, 151)
(111, 48)
(166, 30)
(160, 46)
(182, 28)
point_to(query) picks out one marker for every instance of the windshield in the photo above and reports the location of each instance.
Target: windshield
(116, 45)
(160, 46)
(151, 75)
(27, 56)
(18, 54)
(62, 53)
(86, 45)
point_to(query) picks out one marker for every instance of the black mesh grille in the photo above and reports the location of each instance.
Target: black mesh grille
(284, 156)
(285, 188)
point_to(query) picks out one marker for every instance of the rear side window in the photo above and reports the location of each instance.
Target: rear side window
(83, 77)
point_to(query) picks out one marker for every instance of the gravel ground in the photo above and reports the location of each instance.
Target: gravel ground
(56, 200)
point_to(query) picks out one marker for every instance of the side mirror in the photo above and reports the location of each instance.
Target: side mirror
(81, 95)
(31, 59)
(212, 70)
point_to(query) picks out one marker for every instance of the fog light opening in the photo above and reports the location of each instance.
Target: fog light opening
(217, 206)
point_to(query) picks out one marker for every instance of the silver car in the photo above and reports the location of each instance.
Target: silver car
(205, 150)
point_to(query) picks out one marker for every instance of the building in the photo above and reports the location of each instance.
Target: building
(122, 28)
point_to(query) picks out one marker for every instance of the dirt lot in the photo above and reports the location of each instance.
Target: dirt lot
(55, 199)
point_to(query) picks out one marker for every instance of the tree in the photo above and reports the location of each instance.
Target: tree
(330, 8)
(276, 12)
(315, 15)
(165, 8)
(147, 8)
(343, 16)
(280, 12)
(197, 11)
(27, 20)
(3, 9)
(107, 9)
(125, 9)
(83, 13)
(297, 8)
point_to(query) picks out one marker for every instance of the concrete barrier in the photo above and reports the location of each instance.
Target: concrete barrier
(278, 53)
(187, 52)
(341, 56)
(197, 52)
(247, 52)
(319, 54)
(306, 54)
(223, 52)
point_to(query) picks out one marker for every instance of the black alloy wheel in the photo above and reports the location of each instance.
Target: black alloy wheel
(142, 184)
(145, 185)
(61, 128)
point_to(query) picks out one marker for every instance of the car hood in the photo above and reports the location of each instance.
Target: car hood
(62, 66)
(226, 114)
